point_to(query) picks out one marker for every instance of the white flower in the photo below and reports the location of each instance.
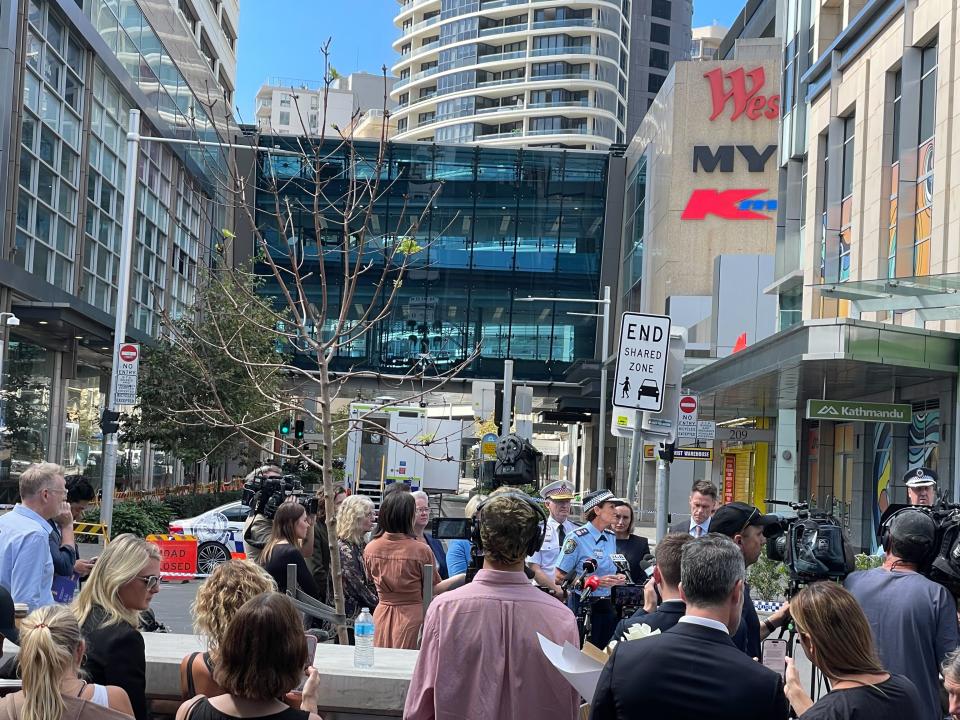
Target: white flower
(640, 631)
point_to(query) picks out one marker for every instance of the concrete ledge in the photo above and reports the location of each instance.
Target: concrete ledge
(345, 691)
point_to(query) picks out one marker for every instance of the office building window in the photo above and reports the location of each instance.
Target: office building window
(659, 33)
(661, 9)
(925, 142)
(659, 59)
(655, 82)
(894, 177)
(846, 199)
(284, 117)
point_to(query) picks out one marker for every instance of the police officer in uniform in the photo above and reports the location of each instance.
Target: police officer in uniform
(921, 486)
(595, 540)
(544, 562)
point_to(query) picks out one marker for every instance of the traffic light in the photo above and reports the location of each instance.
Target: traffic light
(285, 426)
(109, 422)
(298, 430)
(667, 452)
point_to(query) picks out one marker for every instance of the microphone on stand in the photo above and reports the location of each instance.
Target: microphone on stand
(589, 566)
(589, 585)
(623, 566)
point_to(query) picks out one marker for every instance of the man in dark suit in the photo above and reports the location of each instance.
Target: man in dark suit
(665, 581)
(703, 504)
(693, 670)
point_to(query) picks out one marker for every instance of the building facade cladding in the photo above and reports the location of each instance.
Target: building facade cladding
(506, 224)
(513, 73)
(697, 143)
(875, 127)
(76, 73)
(660, 36)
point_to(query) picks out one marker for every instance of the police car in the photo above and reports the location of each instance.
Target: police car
(219, 534)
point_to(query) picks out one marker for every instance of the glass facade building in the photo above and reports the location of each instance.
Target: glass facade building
(503, 225)
(74, 72)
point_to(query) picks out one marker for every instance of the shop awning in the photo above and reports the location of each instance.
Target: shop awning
(838, 358)
(934, 297)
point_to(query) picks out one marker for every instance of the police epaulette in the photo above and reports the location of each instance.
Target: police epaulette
(581, 531)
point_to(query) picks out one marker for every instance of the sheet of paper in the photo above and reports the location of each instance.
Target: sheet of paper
(580, 671)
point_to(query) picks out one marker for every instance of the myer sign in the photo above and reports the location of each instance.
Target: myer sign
(842, 410)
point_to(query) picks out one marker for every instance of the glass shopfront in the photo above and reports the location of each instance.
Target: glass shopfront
(27, 387)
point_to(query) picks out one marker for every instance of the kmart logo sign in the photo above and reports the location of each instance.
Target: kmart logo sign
(845, 411)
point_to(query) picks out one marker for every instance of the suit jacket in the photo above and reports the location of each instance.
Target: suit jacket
(116, 656)
(662, 619)
(681, 527)
(690, 672)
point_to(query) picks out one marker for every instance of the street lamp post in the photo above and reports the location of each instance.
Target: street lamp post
(7, 319)
(604, 302)
(134, 138)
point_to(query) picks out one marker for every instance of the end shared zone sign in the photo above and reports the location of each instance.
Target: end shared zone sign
(847, 411)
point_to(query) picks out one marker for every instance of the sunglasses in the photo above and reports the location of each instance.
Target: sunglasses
(756, 512)
(152, 581)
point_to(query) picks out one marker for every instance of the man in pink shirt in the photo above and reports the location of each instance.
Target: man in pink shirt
(480, 658)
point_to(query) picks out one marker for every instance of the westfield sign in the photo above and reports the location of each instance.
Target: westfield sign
(733, 95)
(741, 88)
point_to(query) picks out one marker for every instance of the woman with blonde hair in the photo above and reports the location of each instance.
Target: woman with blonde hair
(50, 651)
(354, 521)
(290, 528)
(229, 586)
(836, 636)
(123, 582)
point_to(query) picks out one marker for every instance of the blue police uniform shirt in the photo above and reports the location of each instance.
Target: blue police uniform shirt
(587, 542)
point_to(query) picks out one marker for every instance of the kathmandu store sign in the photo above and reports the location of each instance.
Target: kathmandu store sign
(847, 411)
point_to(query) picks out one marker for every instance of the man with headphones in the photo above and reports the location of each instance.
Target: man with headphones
(480, 657)
(914, 619)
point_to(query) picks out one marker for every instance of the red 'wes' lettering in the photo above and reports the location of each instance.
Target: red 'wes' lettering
(746, 100)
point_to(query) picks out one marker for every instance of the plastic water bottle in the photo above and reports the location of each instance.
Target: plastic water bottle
(363, 637)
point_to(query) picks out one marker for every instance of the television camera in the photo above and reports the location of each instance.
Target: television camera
(263, 495)
(811, 544)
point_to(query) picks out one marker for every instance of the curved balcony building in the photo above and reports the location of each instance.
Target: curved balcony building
(513, 73)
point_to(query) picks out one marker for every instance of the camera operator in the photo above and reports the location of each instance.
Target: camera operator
(748, 527)
(595, 540)
(480, 658)
(544, 562)
(914, 620)
(259, 524)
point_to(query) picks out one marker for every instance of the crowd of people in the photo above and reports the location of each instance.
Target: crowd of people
(885, 640)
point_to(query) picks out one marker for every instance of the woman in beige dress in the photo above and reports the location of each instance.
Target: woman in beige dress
(394, 561)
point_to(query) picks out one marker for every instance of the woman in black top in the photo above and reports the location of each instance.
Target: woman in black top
(836, 636)
(290, 528)
(633, 547)
(123, 582)
(267, 628)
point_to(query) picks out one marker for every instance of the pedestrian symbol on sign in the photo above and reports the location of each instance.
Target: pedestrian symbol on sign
(626, 387)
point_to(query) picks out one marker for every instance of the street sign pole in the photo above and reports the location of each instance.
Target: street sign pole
(110, 442)
(636, 449)
(663, 493)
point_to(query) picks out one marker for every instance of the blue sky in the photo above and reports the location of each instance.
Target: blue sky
(283, 38)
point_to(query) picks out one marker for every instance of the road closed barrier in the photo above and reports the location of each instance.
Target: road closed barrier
(178, 556)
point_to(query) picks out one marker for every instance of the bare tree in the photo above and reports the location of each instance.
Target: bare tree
(321, 287)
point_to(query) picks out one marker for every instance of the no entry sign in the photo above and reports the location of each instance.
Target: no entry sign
(128, 369)
(688, 404)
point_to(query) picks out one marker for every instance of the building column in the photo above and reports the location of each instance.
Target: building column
(57, 416)
(787, 451)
